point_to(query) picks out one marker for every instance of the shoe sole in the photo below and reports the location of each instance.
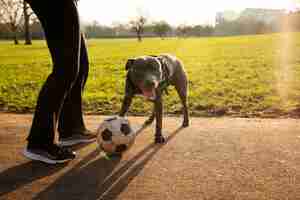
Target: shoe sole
(34, 156)
(73, 142)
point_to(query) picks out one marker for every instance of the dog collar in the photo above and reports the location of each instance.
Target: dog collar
(163, 86)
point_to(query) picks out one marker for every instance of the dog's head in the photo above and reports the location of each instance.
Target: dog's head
(146, 74)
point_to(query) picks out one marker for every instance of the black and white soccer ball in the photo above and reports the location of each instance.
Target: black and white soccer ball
(115, 135)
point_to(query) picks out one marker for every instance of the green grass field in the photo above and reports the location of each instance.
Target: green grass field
(240, 76)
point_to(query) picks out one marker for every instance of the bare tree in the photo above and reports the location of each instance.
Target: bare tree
(28, 13)
(138, 26)
(12, 15)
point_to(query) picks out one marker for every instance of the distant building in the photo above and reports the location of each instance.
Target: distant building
(249, 21)
(229, 15)
(268, 16)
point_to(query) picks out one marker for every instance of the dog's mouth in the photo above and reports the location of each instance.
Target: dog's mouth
(149, 93)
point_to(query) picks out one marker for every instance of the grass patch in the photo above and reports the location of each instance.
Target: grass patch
(227, 76)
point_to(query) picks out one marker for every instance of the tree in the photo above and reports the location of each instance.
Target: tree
(36, 29)
(121, 30)
(91, 29)
(202, 30)
(161, 28)
(183, 30)
(12, 15)
(27, 12)
(137, 26)
(95, 30)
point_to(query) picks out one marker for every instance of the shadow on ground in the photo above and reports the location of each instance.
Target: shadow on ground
(101, 178)
(18, 176)
(23, 174)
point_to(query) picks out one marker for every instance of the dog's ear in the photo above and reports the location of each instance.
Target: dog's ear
(129, 64)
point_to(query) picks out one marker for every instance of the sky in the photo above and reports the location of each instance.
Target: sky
(175, 12)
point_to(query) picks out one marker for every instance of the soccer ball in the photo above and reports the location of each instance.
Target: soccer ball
(115, 135)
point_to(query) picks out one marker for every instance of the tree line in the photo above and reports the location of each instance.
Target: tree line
(17, 21)
(250, 25)
(140, 28)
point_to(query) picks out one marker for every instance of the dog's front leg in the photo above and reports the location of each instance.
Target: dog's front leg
(159, 138)
(151, 118)
(125, 105)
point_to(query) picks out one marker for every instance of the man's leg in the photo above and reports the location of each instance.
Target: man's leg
(61, 27)
(71, 125)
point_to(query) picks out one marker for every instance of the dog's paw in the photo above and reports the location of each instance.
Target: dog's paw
(148, 122)
(185, 124)
(160, 139)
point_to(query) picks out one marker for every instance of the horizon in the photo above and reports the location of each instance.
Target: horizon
(189, 12)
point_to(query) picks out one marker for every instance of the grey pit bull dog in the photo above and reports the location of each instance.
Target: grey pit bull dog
(149, 76)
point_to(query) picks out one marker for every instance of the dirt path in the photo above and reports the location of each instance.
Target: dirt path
(214, 159)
